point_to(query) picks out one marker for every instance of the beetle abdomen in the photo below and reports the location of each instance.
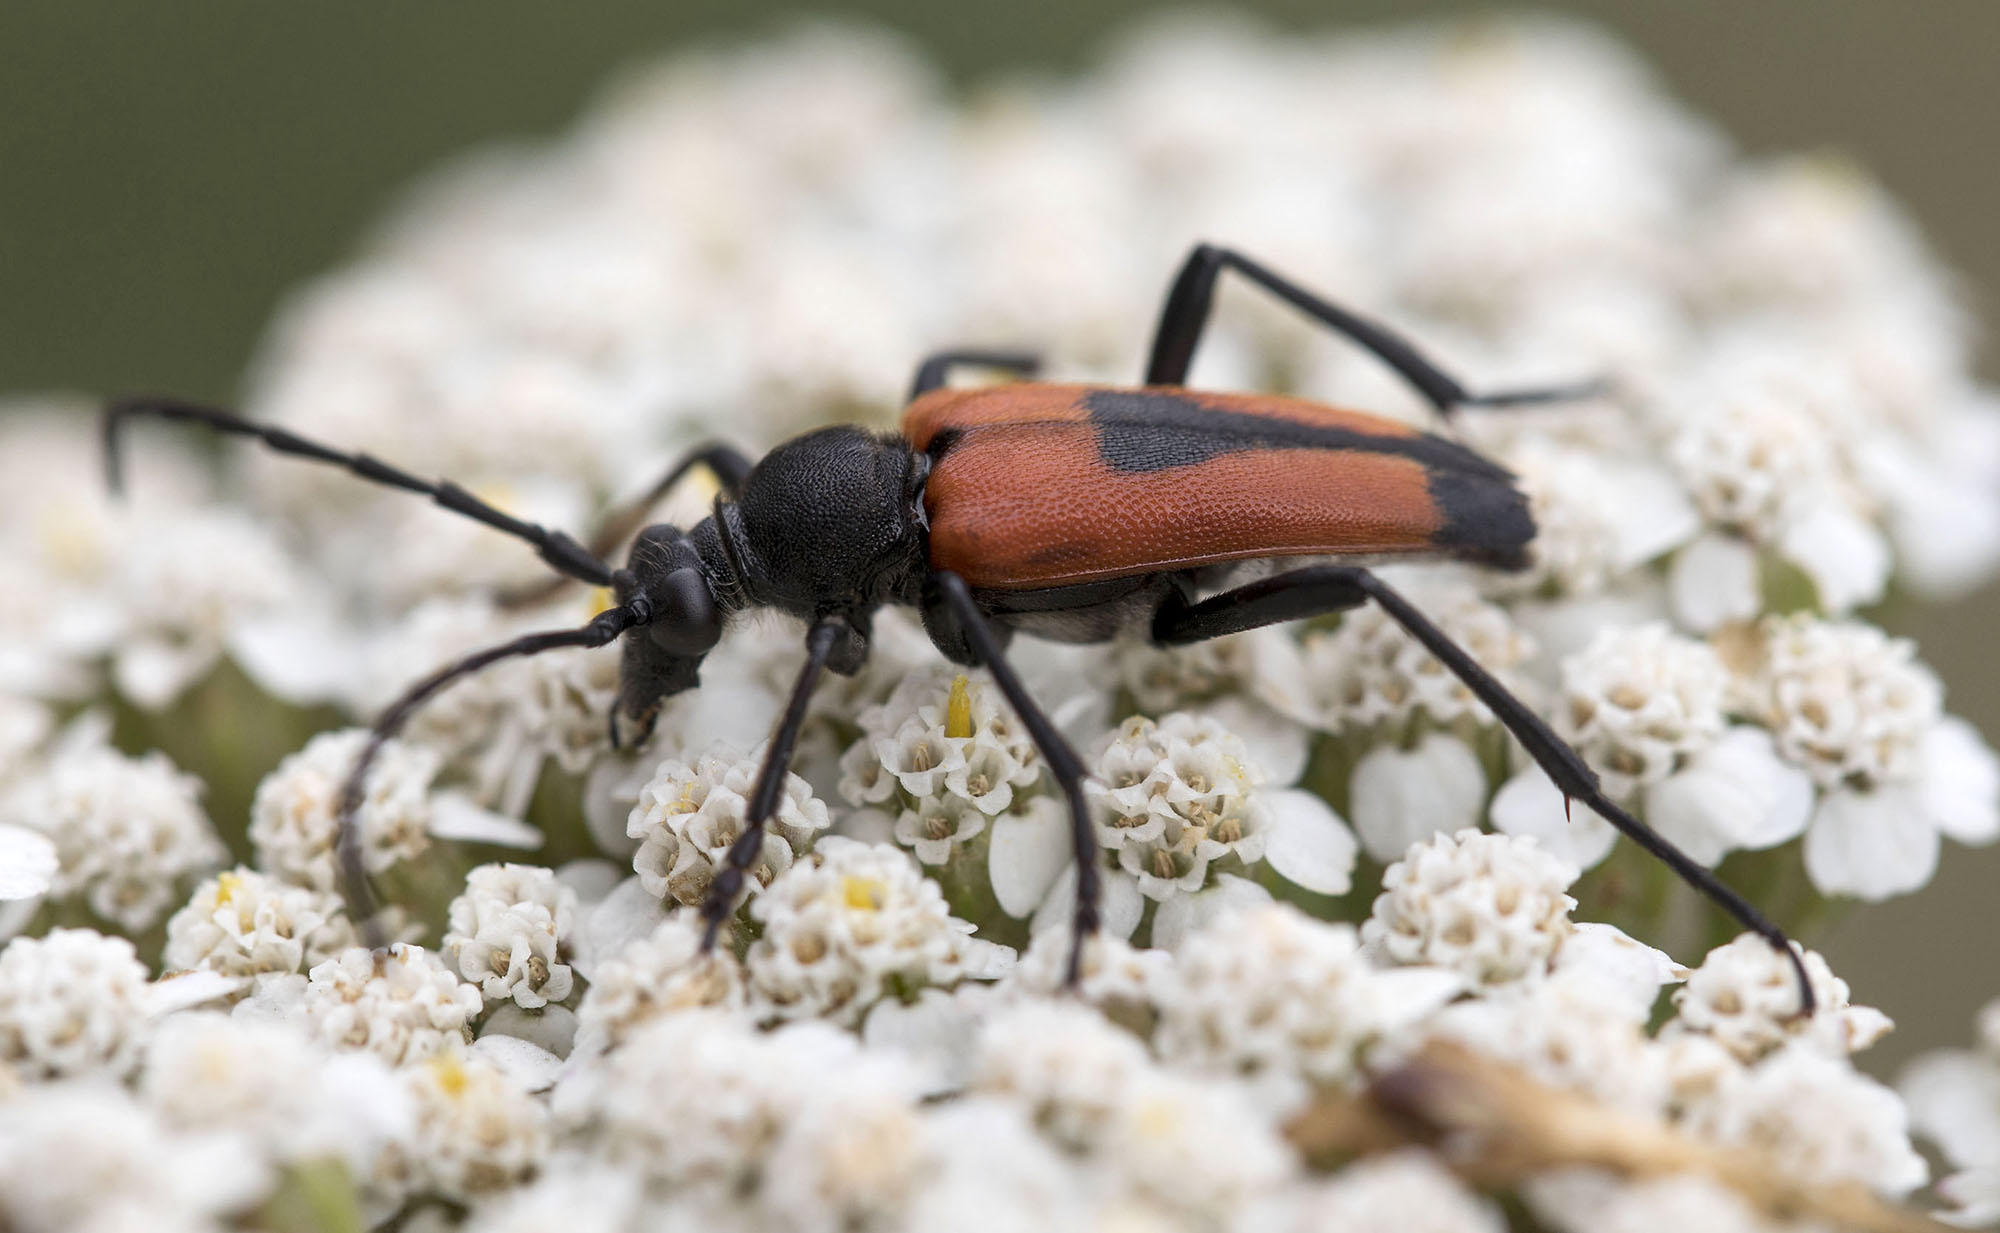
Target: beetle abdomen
(1036, 485)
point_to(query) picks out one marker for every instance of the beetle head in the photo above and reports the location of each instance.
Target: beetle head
(663, 657)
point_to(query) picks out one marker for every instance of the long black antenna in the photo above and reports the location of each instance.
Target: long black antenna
(561, 552)
(603, 629)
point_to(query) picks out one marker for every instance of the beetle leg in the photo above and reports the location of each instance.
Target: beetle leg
(720, 901)
(1063, 762)
(1186, 313)
(936, 368)
(1330, 588)
(561, 552)
(728, 463)
(603, 629)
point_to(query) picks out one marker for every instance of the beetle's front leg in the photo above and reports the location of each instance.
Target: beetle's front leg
(716, 907)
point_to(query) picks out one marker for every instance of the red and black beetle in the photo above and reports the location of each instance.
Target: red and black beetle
(1071, 512)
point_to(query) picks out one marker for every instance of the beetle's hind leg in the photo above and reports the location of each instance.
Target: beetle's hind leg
(1331, 588)
(1063, 762)
(1192, 295)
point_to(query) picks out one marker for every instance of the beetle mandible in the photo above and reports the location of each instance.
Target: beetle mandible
(1072, 512)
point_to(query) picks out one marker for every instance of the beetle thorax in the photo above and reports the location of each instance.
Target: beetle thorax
(830, 522)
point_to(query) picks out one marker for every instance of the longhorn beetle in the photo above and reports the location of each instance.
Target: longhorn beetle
(1072, 512)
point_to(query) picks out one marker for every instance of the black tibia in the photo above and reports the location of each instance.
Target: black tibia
(935, 371)
(1064, 765)
(1331, 588)
(729, 465)
(603, 629)
(1193, 293)
(728, 884)
(558, 549)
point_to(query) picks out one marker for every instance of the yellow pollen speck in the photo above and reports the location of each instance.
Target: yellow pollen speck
(958, 708)
(450, 1073)
(601, 599)
(862, 894)
(226, 886)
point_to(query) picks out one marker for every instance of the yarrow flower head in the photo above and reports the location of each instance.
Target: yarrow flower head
(1853, 709)
(1489, 907)
(1745, 996)
(848, 925)
(692, 810)
(127, 831)
(72, 1003)
(1271, 990)
(511, 930)
(403, 1004)
(294, 822)
(243, 923)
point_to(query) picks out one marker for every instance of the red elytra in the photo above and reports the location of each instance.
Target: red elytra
(1038, 485)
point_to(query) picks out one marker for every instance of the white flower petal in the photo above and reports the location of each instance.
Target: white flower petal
(551, 1029)
(183, 990)
(1026, 854)
(1607, 956)
(526, 1063)
(1961, 781)
(1652, 515)
(868, 826)
(304, 655)
(627, 914)
(152, 671)
(1530, 804)
(1277, 744)
(27, 862)
(1309, 846)
(1738, 793)
(1954, 1098)
(1120, 907)
(1183, 915)
(455, 816)
(1842, 552)
(1713, 582)
(938, 1032)
(1871, 845)
(1399, 797)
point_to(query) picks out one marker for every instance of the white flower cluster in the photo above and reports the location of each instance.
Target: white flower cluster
(852, 923)
(1790, 433)
(127, 832)
(244, 923)
(1488, 907)
(71, 1003)
(510, 931)
(402, 1004)
(691, 811)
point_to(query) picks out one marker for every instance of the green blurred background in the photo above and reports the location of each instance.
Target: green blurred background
(167, 172)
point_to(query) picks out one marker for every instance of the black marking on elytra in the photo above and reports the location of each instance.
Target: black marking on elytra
(1485, 517)
(1155, 430)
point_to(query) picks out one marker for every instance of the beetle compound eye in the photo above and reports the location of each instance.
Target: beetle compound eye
(685, 620)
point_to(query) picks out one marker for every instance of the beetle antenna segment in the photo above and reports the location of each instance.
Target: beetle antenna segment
(727, 463)
(720, 901)
(1064, 765)
(603, 629)
(561, 552)
(1328, 588)
(1576, 391)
